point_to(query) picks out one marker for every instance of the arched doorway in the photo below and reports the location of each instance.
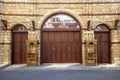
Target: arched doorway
(61, 40)
(102, 35)
(19, 37)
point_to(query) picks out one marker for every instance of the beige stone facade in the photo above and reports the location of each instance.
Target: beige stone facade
(24, 11)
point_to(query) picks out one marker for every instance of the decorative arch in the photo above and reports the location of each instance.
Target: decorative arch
(61, 45)
(108, 24)
(19, 28)
(102, 27)
(59, 12)
(61, 20)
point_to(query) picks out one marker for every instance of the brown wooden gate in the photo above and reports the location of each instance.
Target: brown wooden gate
(61, 46)
(102, 35)
(19, 38)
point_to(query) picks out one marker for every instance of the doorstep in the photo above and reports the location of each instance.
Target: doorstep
(62, 67)
(3, 66)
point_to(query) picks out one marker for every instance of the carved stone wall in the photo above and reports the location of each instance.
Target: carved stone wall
(5, 46)
(115, 48)
(98, 11)
(1, 33)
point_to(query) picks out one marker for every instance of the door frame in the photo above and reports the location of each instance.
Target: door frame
(41, 34)
(109, 31)
(16, 29)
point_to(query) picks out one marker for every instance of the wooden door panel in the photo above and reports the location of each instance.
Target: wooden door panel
(77, 37)
(19, 47)
(98, 38)
(73, 52)
(17, 58)
(16, 47)
(77, 52)
(77, 47)
(54, 52)
(44, 49)
(51, 47)
(45, 46)
(104, 36)
(16, 37)
(63, 52)
(103, 50)
(24, 37)
(45, 37)
(48, 52)
(105, 56)
(61, 47)
(58, 52)
(17, 53)
(72, 46)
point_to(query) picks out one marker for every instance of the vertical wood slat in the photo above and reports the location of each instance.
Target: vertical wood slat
(24, 37)
(16, 49)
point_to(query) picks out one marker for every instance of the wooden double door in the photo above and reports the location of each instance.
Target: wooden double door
(19, 47)
(61, 47)
(103, 47)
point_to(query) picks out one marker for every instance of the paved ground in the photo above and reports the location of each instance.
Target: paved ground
(60, 72)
